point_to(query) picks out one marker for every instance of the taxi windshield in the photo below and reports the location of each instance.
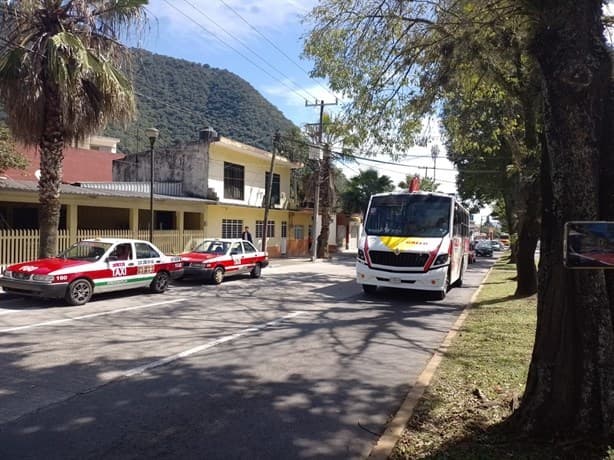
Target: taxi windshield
(86, 250)
(212, 247)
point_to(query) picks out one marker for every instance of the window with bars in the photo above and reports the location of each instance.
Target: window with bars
(299, 232)
(232, 228)
(275, 190)
(284, 229)
(234, 181)
(270, 231)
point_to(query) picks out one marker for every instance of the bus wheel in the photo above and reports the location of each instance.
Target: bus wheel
(459, 281)
(369, 289)
(440, 295)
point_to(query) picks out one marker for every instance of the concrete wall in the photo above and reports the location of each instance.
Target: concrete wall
(188, 165)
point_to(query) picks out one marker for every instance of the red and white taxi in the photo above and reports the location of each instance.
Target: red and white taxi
(93, 266)
(216, 258)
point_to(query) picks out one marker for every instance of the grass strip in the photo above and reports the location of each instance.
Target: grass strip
(479, 381)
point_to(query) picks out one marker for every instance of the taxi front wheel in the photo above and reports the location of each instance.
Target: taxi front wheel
(79, 292)
(160, 282)
(218, 275)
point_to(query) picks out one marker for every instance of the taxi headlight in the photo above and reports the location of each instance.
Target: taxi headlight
(441, 259)
(43, 278)
(7, 274)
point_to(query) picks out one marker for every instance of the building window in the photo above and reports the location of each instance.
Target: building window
(299, 232)
(234, 181)
(232, 228)
(270, 231)
(284, 229)
(275, 192)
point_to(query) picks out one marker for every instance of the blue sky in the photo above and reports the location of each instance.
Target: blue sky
(261, 42)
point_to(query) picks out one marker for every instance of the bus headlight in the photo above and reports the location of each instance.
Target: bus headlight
(361, 254)
(441, 259)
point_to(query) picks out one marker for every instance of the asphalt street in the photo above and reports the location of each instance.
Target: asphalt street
(296, 364)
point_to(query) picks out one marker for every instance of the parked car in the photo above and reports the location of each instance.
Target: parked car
(496, 245)
(471, 253)
(93, 266)
(216, 258)
(483, 249)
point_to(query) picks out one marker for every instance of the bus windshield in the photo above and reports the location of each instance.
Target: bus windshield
(426, 216)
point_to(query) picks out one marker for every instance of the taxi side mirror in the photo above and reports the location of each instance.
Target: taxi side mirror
(588, 244)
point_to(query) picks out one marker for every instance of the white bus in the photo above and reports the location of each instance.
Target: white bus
(413, 240)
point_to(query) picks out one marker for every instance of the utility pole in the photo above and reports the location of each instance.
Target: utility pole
(316, 199)
(269, 191)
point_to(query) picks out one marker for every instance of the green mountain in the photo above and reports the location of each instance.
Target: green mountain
(179, 98)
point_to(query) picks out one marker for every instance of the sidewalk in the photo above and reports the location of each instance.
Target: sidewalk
(282, 261)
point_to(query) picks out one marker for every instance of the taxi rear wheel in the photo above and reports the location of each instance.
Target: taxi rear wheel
(79, 292)
(218, 275)
(256, 271)
(160, 282)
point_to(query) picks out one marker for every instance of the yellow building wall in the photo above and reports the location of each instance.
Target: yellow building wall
(276, 246)
(255, 171)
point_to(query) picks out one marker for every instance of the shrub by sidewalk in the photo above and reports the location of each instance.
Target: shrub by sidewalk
(479, 381)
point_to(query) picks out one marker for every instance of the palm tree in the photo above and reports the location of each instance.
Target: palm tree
(60, 81)
(361, 187)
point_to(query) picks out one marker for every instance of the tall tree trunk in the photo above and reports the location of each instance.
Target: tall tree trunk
(570, 386)
(607, 174)
(528, 233)
(325, 205)
(52, 155)
(526, 272)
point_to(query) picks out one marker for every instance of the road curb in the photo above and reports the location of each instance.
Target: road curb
(393, 432)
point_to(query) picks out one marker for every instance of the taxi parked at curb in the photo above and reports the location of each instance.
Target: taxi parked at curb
(216, 258)
(93, 266)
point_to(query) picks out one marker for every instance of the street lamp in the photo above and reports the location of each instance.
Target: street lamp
(152, 134)
(434, 155)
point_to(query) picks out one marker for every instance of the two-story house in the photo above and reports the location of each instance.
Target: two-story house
(236, 176)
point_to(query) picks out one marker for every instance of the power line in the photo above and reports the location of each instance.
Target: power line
(273, 45)
(233, 48)
(246, 46)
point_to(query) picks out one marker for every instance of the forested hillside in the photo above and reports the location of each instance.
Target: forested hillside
(180, 98)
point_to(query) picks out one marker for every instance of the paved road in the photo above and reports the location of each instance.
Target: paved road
(297, 364)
